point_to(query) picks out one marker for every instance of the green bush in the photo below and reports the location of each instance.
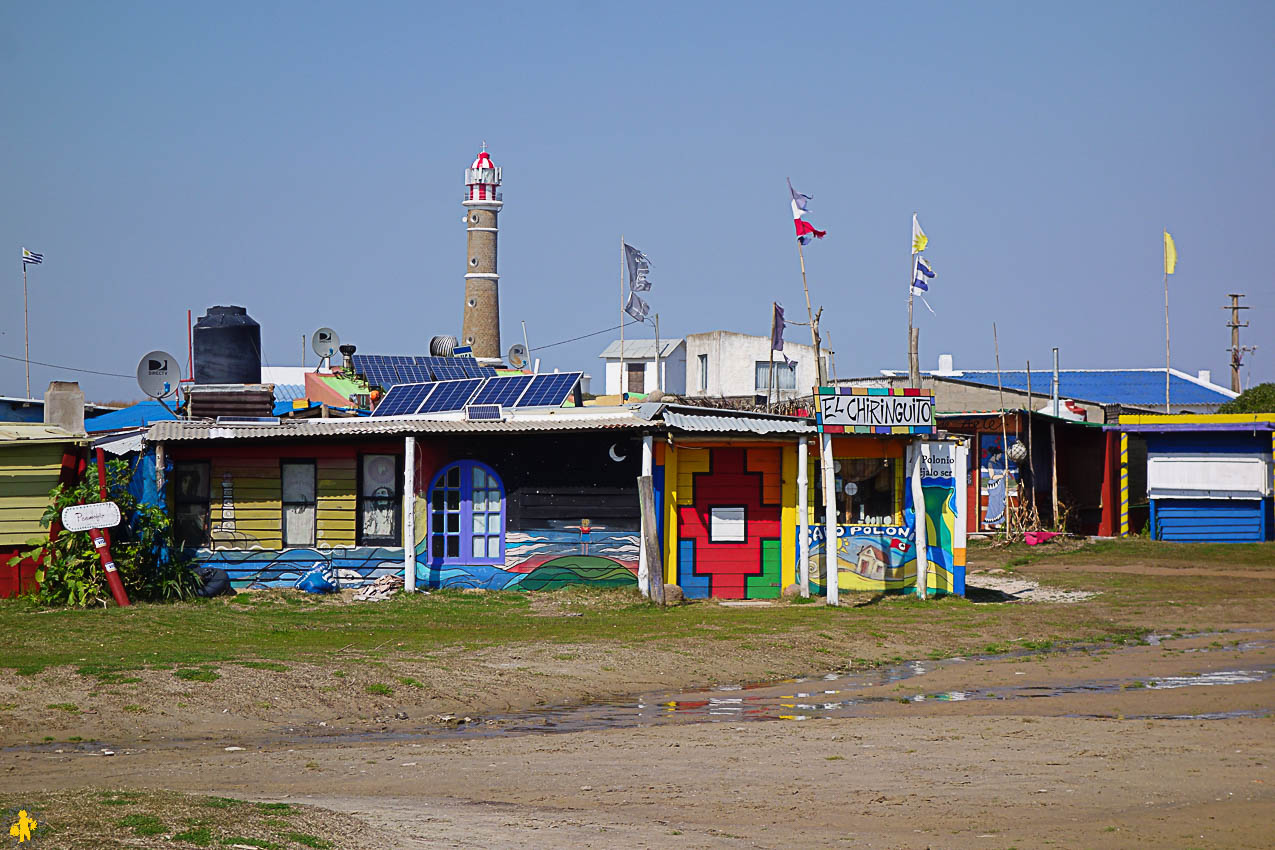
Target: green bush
(70, 572)
(1258, 399)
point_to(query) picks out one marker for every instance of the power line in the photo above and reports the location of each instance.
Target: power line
(586, 336)
(67, 368)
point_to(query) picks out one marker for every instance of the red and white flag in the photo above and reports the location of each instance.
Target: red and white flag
(805, 230)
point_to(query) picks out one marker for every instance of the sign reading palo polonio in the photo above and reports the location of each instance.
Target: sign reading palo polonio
(95, 515)
(875, 410)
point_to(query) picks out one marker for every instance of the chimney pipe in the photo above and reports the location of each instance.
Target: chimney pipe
(64, 406)
(347, 358)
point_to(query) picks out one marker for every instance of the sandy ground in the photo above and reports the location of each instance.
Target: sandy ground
(1107, 748)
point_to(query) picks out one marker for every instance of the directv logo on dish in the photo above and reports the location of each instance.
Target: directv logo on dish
(154, 366)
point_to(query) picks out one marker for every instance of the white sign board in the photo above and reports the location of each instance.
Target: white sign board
(1208, 476)
(877, 411)
(96, 515)
(938, 464)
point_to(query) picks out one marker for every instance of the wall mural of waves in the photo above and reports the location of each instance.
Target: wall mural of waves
(543, 559)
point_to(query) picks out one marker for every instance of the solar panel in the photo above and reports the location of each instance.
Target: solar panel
(403, 399)
(483, 413)
(474, 369)
(549, 390)
(505, 391)
(447, 369)
(450, 395)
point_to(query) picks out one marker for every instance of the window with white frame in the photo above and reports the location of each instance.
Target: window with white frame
(785, 375)
(703, 372)
(299, 504)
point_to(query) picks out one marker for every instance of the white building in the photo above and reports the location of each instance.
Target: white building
(711, 365)
(638, 375)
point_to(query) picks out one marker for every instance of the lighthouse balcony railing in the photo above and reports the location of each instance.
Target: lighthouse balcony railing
(500, 196)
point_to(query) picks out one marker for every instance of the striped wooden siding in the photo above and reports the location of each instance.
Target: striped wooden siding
(253, 489)
(1209, 520)
(27, 474)
(256, 492)
(689, 462)
(336, 496)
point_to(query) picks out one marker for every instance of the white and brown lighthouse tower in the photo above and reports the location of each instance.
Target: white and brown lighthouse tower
(481, 326)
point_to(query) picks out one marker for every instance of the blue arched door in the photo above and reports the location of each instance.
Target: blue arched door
(466, 516)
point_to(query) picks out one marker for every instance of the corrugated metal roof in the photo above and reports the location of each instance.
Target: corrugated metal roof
(1135, 387)
(361, 426)
(142, 413)
(736, 424)
(288, 392)
(640, 349)
(37, 432)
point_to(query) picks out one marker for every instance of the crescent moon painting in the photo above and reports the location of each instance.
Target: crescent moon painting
(615, 456)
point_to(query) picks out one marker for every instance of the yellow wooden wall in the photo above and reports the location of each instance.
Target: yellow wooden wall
(28, 473)
(254, 489)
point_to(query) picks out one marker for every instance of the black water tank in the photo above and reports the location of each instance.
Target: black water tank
(227, 347)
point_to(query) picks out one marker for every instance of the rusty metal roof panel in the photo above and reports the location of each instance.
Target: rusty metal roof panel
(736, 424)
(365, 426)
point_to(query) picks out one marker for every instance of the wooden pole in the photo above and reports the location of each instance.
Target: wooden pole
(624, 379)
(409, 514)
(814, 326)
(644, 562)
(803, 513)
(829, 521)
(1004, 431)
(651, 540)
(26, 334)
(1053, 441)
(659, 383)
(1031, 458)
(770, 383)
(918, 513)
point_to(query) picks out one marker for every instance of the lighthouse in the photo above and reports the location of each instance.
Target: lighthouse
(480, 328)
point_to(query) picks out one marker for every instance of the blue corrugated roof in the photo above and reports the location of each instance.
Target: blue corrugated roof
(1105, 386)
(288, 392)
(142, 413)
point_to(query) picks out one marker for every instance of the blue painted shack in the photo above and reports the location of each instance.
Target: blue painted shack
(1209, 477)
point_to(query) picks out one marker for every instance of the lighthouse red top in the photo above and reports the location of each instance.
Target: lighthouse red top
(482, 178)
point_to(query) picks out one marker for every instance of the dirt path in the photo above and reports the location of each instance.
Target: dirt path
(1076, 768)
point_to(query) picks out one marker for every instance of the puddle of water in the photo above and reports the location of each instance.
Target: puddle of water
(806, 698)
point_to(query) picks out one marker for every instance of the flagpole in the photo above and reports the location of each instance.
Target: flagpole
(770, 386)
(914, 365)
(26, 336)
(814, 331)
(1166, 325)
(622, 376)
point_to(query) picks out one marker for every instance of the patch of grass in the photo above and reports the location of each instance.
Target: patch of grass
(133, 708)
(273, 666)
(307, 840)
(251, 842)
(379, 689)
(68, 707)
(142, 824)
(197, 674)
(410, 682)
(275, 807)
(200, 836)
(221, 802)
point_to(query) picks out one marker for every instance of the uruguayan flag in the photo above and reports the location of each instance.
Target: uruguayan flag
(31, 258)
(923, 271)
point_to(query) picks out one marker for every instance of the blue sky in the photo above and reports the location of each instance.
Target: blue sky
(305, 160)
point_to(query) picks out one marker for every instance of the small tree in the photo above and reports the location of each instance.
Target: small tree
(1258, 399)
(70, 572)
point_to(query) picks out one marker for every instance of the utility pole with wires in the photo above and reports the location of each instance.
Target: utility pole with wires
(1237, 351)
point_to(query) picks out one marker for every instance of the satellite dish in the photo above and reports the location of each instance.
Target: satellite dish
(158, 374)
(517, 355)
(325, 342)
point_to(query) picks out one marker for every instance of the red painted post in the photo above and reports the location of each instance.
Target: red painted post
(101, 485)
(108, 565)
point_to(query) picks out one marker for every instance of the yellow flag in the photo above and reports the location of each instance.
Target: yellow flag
(1170, 254)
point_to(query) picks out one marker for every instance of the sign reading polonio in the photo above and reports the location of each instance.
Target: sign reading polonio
(875, 410)
(95, 515)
